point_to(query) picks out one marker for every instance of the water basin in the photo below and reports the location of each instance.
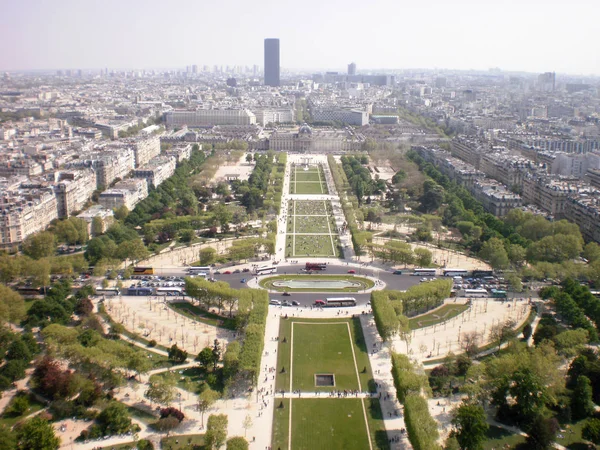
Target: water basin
(317, 284)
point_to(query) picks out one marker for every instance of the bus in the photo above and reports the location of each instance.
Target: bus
(497, 293)
(482, 273)
(29, 291)
(424, 272)
(456, 272)
(169, 291)
(315, 266)
(143, 271)
(198, 269)
(341, 301)
(200, 274)
(140, 291)
(265, 270)
(107, 291)
(476, 293)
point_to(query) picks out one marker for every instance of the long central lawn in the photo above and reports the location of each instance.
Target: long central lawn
(320, 348)
(329, 424)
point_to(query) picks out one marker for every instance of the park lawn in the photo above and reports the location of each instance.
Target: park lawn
(183, 442)
(319, 245)
(201, 315)
(141, 415)
(309, 207)
(323, 348)
(572, 438)
(311, 224)
(498, 438)
(440, 315)
(267, 283)
(9, 418)
(308, 175)
(308, 188)
(281, 423)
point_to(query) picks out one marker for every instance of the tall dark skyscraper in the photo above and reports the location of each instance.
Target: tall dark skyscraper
(272, 62)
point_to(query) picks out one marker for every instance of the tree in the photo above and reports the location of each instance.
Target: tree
(114, 419)
(541, 433)
(97, 226)
(471, 426)
(177, 355)
(494, 252)
(591, 431)
(84, 307)
(582, 405)
(8, 438)
(216, 353)
(161, 390)
(40, 245)
(37, 434)
(206, 399)
(249, 158)
(433, 196)
(12, 305)
(205, 357)
(39, 271)
(18, 350)
(247, 423)
(527, 330)
(216, 431)
(529, 393)
(237, 443)
(207, 255)
(423, 257)
(121, 213)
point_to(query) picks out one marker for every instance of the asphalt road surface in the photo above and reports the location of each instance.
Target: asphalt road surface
(395, 282)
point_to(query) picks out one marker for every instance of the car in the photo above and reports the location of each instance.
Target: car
(227, 272)
(217, 272)
(245, 270)
(286, 294)
(295, 303)
(352, 271)
(243, 280)
(397, 272)
(319, 303)
(285, 303)
(274, 302)
(237, 271)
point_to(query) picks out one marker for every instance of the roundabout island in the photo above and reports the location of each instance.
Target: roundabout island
(317, 283)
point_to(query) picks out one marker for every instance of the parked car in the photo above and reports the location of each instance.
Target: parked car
(319, 303)
(285, 303)
(227, 272)
(275, 302)
(352, 271)
(245, 270)
(397, 272)
(237, 271)
(295, 303)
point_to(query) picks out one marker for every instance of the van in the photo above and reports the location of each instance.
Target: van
(457, 279)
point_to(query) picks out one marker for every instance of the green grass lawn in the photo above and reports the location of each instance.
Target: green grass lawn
(572, 436)
(141, 415)
(330, 423)
(499, 437)
(318, 245)
(308, 187)
(200, 315)
(323, 348)
(10, 418)
(183, 442)
(309, 207)
(267, 283)
(438, 316)
(310, 224)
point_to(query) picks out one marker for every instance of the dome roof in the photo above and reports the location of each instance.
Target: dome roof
(305, 129)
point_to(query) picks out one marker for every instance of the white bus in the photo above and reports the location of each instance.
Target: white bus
(200, 274)
(456, 272)
(265, 270)
(424, 272)
(199, 269)
(341, 301)
(107, 291)
(476, 293)
(169, 291)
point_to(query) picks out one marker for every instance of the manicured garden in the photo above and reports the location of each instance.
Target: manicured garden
(269, 283)
(439, 315)
(308, 347)
(311, 229)
(310, 181)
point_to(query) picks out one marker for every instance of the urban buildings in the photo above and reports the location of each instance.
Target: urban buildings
(126, 193)
(207, 117)
(272, 62)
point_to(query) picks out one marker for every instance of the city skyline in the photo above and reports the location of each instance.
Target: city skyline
(142, 35)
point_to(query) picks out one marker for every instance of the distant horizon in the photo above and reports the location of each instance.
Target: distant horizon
(308, 71)
(530, 36)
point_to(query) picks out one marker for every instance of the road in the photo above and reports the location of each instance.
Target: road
(395, 282)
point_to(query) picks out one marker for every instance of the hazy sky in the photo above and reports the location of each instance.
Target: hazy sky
(528, 35)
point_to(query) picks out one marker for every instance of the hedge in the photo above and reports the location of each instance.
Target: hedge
(420, 426)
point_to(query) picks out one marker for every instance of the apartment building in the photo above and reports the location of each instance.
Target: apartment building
(22, 214)
(505, 168)
(279, 115)
(347, 116)
(21, 166)
(126, 193)
(495, 197)
(144, 149)
(584, 210)
(207, 117)
(469, 150)
(106, 216)
(550, 193)
(180, 151)
(157, 170)
(73, 189)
